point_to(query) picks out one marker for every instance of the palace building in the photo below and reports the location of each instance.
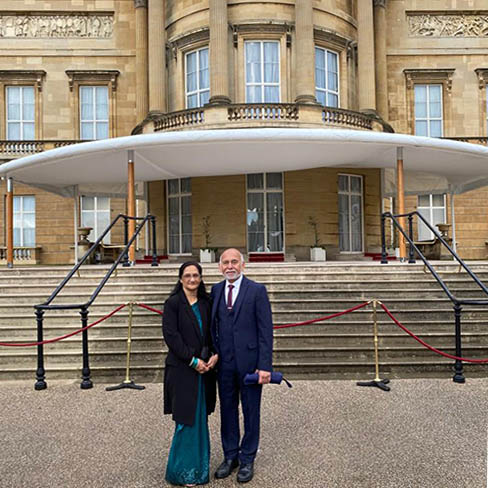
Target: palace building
(74, 71)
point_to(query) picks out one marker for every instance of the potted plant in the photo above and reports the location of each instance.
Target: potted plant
(207, 253)
(317, 250)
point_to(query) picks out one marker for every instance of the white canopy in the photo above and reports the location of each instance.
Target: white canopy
(99, 167)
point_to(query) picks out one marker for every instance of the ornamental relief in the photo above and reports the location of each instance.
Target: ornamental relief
(444, 25)
(76, 25)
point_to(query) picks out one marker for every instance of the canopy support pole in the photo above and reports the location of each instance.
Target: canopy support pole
(75, 219)
(453, 224)
(10, 223)
(131, 204)
(401, 201)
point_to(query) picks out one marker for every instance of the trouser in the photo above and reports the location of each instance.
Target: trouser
(231, 387)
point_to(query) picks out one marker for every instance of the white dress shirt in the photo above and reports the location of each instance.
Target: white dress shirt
(235, 290)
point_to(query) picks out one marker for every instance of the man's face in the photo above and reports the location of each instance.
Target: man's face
(230, 265)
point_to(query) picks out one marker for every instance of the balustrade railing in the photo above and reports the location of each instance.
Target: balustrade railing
(25, 148)
(347, 118)
(471, 140)
(22, 254)
(183, 118)
(262, 111)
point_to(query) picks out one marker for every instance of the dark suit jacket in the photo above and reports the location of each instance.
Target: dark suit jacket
(252, 328)
(182, 335)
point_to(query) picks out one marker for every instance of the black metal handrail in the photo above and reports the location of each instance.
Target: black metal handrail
(47, 305)
(458, 368)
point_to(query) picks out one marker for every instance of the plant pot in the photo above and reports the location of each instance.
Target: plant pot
(317, 254)
(207, 256)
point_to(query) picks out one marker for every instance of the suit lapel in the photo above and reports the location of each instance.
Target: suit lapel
(219, 287)
(240, 297)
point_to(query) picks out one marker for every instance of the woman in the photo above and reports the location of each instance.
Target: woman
(189, 379)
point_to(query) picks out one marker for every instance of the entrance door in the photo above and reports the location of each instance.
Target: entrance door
(265, 212)
(350, 213)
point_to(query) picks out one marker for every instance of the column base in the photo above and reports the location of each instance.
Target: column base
(219, 100)
(307, 99)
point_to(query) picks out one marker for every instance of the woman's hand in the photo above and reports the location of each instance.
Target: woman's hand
(201, 367)
(212, 361)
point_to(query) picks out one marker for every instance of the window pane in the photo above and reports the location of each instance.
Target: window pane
(274, 204)
(271, 62)
(331, 62)
(253, 94)
(29, 237)
(204, 97)
(17, 236)
(424, 200)
(435, 93)
(185, 185)
(343, 183)
(355, 184)
(13, 111)
(423, 231)
(255, 181)
(102, 102)
(320, 78)
(420, 93)
(87, 131)
(320, 58)
(13, 133)
(332, 81)
(274, 180)
(420, 109)
(438, 200)
(102, 130)
(17, 204)
(435, 128)
(253, 62)
(271, 94)
(420, 128)
(255, 222)
(191, 82)
(88, 203)
(321, 97)
(29, 204)
(192, 101)
(344, 243)
(29, 133)
(356, 224)
(437, 216)
(332, 100)
(173, 186)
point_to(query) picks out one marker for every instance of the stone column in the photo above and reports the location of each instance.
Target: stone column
(305, 52)
(366, 67)
(142, 105)
(380, 58)
(219, 55)
(157, 56)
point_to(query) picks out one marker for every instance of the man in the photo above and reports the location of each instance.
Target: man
(242, 332)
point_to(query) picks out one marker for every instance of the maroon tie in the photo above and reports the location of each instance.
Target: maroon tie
(229, 298)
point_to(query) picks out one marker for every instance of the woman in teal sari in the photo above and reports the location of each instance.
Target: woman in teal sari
(189, 379)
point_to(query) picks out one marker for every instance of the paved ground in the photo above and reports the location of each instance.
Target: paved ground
(323, 434)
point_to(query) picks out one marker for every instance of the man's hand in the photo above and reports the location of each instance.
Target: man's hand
(201, 367)
(212, 361)
(264, 377)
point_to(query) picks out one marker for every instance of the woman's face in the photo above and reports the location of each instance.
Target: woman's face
(190, 279)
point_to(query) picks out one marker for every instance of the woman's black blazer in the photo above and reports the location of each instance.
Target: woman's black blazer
(184, 340)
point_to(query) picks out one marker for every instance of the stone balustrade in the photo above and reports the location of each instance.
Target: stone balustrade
(17, 149)
(22, 255)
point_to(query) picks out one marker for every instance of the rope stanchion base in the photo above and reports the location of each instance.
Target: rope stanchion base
(381, 384)
(125, 384)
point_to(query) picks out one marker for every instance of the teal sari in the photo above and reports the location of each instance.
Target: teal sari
(189, 456)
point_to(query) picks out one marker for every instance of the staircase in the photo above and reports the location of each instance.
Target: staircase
(338, 348)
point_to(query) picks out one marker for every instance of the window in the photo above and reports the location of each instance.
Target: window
(179, 216)
(265, 212)
(197, 78)
(95, 213)
(326, 77)
(24, 221)
(350, 213)
(262, 71)
(428, 110)
(20, 113)
(433, 209)
(93, 112)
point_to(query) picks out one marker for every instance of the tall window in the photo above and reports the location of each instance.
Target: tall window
(326, 77)
(262, 71)
(95, 213)
(350, 213)
(20, 113)
(179, 216)
(93, 112)
(428, 110)
(433, 209)
(24, 221)
(265, 212)
(197, 78)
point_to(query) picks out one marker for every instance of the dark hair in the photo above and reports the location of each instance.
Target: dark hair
(201, 292)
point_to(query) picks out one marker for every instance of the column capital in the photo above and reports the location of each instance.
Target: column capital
(379, 3)
(140, 3)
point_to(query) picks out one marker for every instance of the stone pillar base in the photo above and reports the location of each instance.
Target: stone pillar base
(306, 99)
(219, 100)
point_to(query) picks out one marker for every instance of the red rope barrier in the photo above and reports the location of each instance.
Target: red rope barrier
(56, 339)
(147, 307)
(418, 339)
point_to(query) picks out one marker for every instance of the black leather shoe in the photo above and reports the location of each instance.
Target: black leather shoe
(226, 468)
(245, 473)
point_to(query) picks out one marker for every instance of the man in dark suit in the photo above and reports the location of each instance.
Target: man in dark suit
(242, 333)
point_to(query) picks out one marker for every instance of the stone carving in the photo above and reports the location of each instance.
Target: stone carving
(75, 25)
(448, 25)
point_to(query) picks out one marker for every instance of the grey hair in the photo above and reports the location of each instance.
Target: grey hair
(240, 254)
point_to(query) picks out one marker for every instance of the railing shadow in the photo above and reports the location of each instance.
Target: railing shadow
(48, 305)
(413, 248)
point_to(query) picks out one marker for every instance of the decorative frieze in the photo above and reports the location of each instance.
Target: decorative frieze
(56, 25)
(435, 24)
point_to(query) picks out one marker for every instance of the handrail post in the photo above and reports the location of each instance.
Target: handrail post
(125, 262)
(458, 366)
(383, 240)
(411, 257)
(86, 381)
(154, 250)
(41, 372)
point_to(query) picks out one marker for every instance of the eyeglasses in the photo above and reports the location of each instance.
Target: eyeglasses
(234, 262)
(188, 276)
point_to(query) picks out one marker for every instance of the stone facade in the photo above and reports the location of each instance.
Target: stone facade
(138, 50)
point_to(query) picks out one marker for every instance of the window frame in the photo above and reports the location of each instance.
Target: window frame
(428, 118)
(179, 195)
(327, 90)
(431, 209)
(94, 121)
(349, 193)
(95, 232)
(198, 91)
(265, 190)
(21, 213)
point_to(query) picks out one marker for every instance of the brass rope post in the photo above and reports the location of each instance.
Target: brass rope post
(127, 383)
(379, 383)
